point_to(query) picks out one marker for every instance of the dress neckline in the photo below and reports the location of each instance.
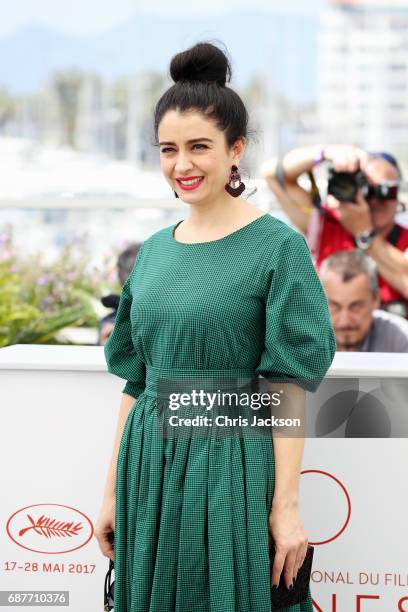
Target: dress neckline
(218, 240)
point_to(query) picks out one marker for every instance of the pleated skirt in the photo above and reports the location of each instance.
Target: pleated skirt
(191, 520)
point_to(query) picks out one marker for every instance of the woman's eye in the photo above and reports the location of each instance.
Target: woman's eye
(167, 149)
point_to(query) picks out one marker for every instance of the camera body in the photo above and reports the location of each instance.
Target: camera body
(345, 185)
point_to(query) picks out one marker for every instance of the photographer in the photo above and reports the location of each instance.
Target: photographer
(366, 222)
(125, 264)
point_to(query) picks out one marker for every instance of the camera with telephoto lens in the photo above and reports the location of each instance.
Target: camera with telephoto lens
(345, 185)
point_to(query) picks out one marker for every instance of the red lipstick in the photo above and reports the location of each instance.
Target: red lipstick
(188, 183)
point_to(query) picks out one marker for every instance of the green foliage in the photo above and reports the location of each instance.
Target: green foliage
(38, 299)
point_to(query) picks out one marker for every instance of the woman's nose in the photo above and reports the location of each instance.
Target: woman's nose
(183, 164)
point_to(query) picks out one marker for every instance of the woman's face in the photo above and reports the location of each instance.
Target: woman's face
(194, 156)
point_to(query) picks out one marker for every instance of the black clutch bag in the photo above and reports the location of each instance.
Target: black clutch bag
(282, 597)
(108, 589)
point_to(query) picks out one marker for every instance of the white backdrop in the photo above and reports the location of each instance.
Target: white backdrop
(59, 409)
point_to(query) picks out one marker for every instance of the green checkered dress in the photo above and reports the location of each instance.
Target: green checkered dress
(191, 523)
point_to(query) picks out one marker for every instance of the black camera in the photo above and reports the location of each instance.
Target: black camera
(344, 186)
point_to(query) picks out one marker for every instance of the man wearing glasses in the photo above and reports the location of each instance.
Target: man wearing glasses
(365, 221)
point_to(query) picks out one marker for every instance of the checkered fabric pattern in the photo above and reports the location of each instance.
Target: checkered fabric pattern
(191, 522)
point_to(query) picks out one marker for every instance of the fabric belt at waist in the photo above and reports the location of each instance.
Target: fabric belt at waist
(159, 380)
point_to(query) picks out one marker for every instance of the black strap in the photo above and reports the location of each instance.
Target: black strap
(394, 235)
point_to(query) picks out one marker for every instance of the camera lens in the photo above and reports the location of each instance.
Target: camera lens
(345, 185)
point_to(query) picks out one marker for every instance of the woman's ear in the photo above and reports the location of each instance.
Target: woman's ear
(238, 150)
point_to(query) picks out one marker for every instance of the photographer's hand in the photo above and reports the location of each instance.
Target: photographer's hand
(345, 158)
(355, 217)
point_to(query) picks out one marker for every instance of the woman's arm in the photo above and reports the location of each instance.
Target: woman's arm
(288, 451)
(105, 524)
(124, 409)
(286, 527)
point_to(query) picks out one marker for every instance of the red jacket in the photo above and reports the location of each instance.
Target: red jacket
(327, 236)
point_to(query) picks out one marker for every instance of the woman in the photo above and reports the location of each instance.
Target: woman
(227, 292)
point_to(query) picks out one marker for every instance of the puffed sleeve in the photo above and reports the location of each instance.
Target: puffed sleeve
(121, 357)
(299, 338)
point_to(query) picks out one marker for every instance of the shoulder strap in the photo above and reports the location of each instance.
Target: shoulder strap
(394, 235)
(314, 192)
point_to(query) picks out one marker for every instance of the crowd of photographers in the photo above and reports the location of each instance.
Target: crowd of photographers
(359, 249)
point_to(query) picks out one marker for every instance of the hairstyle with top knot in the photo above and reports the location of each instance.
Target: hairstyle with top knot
(200, 75)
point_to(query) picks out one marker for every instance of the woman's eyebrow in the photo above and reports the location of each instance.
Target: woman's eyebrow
(188, 141)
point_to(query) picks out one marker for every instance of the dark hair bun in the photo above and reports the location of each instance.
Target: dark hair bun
(204, 62)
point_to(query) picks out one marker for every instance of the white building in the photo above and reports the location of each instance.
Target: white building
(363, 70)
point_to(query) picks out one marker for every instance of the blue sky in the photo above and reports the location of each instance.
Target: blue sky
(87, 16)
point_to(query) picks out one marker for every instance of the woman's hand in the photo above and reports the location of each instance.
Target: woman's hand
(290, 540)
(105, 527)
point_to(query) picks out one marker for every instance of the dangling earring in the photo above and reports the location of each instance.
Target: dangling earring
(235, 186)
(175, 193)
